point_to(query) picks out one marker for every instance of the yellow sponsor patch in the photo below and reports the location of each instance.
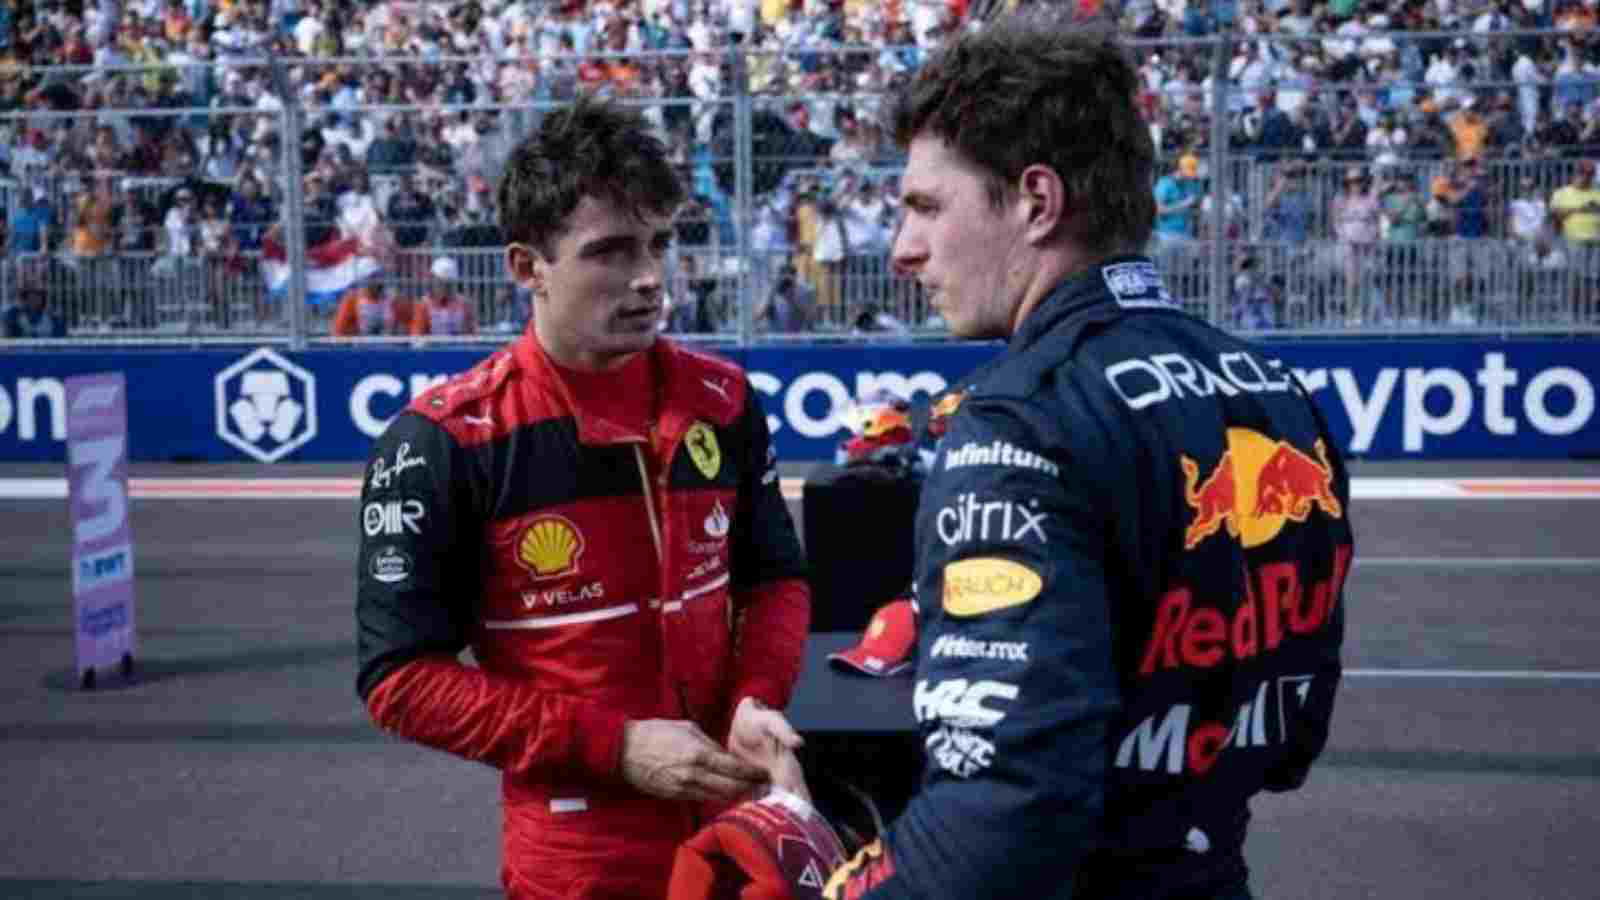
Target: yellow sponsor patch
(550, 547)
(973, 587)
(703, 449)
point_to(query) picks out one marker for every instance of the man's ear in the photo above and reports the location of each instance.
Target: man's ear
(1044, 199)
(527, 267)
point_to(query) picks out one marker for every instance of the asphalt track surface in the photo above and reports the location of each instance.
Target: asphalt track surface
(1464, 762)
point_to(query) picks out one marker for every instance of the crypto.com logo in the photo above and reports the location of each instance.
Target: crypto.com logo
(266, 405)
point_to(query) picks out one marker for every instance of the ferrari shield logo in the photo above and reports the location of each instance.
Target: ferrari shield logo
(703, 449)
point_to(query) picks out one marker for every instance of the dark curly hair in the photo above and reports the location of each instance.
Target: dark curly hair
(1033, 87)
(592, 147)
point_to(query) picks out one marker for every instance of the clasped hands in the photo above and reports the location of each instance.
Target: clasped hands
(675, 760)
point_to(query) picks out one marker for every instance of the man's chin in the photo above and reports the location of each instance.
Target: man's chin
(631, 341)
(965, 329)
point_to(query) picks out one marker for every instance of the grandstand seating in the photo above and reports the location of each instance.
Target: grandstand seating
(1464, 135)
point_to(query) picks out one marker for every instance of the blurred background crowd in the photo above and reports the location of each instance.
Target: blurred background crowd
(1420, 164)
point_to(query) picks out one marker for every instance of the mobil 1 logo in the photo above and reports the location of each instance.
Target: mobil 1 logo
(392, 517)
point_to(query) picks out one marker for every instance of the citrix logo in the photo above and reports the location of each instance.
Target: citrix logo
(998, 520)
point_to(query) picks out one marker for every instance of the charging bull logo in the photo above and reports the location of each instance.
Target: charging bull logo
(1257, 486)
(939, 415)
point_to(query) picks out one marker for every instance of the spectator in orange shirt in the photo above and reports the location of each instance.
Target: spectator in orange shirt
(1470, 130)
(96, 213)
(372, 311)
(443, 310)
(175, 22)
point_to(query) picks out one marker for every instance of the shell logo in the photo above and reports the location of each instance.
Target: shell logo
(550, 547)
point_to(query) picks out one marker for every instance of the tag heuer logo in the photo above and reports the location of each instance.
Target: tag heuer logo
(266, 405)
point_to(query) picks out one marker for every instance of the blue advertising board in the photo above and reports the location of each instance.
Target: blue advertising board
(1434, 399)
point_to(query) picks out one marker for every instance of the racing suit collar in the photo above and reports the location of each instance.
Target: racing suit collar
(673, 378)
(1122, 282)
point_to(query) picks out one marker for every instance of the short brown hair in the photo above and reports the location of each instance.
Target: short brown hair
(1031, 88)
(590, 148)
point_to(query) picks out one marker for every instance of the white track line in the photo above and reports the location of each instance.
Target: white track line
(1474, 488)
(1476, 562)
(337, 488)
(1480, 674)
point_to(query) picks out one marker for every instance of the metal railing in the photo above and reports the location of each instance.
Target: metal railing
(1281, 254)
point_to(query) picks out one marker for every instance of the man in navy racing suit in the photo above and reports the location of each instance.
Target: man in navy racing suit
(1132, 542)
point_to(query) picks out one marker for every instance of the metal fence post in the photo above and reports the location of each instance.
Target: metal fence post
(1221, 283)
(293, 214)
(743, 217)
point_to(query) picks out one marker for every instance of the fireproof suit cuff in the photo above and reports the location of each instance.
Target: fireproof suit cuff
(770, 693)
(772, 641)
(494, 719)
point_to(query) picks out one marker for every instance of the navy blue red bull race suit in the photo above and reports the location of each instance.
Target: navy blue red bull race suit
(1131, 552)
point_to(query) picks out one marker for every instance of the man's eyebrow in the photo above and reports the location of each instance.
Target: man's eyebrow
(618, 241)
(607, 242)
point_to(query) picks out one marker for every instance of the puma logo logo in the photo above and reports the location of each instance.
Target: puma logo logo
(718, 387)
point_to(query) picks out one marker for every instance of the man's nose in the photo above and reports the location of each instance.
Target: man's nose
(908, 252)
(650, 275)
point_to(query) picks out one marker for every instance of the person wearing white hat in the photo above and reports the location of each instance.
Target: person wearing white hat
(442, 310)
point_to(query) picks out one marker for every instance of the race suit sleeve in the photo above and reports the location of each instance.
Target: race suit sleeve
(1308, 729)
(416, 588)
(771, 596)
(1017, 688)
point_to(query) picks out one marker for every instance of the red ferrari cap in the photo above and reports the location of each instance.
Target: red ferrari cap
(886, 646)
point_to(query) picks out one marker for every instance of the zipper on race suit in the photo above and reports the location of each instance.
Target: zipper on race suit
(668, 601)
(650, 507)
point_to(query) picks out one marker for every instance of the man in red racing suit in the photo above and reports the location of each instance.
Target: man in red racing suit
(612, 546)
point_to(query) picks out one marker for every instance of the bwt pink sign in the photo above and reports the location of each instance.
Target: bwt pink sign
(102, 541)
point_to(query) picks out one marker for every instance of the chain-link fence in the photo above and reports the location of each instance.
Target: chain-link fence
(1337, 183)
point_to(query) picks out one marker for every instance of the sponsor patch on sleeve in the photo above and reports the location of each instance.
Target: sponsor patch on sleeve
(984, 584)
(390, 565)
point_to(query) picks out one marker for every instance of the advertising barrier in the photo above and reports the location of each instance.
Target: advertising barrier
(102, 541)
(1437, 399)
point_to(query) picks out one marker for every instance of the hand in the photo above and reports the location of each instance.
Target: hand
(762, 736)
(673, 759)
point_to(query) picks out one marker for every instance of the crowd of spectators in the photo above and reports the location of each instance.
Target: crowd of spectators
(1413, 162)
(409, 106)
(402, 154)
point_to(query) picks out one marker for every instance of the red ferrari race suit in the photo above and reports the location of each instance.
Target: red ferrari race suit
(598, 574)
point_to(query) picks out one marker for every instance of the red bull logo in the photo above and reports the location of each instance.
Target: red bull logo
(939, 416)
(1258, 485)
